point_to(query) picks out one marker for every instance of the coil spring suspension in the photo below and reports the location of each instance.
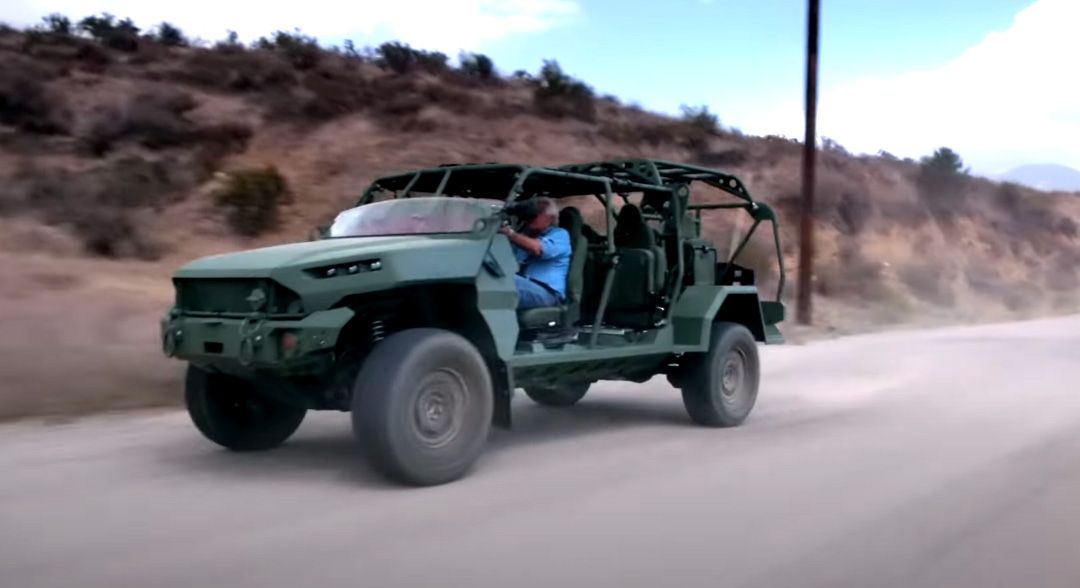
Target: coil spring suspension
(378, 330)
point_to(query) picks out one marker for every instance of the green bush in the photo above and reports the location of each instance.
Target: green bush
(170, 36)
(400, 58)
(58, 23)
(560, 95)
(251, 199)
(301, 50)
(121, 35)
(431, 61)
(396, 56)
(477, 65)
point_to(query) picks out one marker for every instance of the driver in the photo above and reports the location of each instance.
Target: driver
(543, 253)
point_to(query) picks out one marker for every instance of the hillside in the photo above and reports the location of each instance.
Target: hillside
(115, 151)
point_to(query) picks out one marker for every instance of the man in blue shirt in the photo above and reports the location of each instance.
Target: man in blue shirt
(543, 252)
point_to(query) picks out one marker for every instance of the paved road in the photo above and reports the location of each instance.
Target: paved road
(944, 458)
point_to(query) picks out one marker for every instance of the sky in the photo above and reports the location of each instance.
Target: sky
(992, 79)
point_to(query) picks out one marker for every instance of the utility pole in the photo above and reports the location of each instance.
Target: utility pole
(806, 225)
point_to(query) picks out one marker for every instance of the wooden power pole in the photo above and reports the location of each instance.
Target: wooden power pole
(806, 224)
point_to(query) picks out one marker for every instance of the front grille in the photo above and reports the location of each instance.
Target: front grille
(223, 296)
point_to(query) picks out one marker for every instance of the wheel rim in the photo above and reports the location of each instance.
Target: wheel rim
(440, 407)
(732, 376)
(240, 407)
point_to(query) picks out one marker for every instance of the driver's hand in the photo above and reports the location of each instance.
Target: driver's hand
(506, 230)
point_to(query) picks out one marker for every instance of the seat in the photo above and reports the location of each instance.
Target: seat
(566, 315)
(640, 277)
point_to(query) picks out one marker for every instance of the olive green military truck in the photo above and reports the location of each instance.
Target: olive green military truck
(406, 315)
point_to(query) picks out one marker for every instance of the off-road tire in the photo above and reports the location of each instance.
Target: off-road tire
(230, 412)
(422, 406)
(561, 395)
(719, 387)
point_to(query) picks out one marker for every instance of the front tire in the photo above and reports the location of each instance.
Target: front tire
(559, 395)
(719, 387)
(422, 406)
(230, 412)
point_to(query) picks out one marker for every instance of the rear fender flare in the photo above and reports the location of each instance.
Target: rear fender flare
(700, 306)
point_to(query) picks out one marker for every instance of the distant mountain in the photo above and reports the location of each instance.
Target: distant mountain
(1044, 176)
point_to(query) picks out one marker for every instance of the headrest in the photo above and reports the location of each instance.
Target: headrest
(570, 219)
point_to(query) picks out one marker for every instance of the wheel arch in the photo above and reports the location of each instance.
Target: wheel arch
(701, 306)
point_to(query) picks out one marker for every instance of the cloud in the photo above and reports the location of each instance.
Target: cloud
(434, 24)
(1012, 98)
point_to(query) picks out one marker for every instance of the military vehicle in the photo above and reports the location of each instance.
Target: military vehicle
(406, 314)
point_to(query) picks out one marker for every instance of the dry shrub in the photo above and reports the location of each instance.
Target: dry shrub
(654, 134)
(400, 106)
(99, 205)
(1064, 274)
(727, 158)
(112, 232)
(905, 215)
(156, 120)
(333, 93)
(234, 68)
(1067, 227)
(928, 282)
(849, 275)
(1030, 217)
(842, 202)
(27, 103)
(65, 49)
(449, 98)
(251, 198)
(854, 212)
(983, 277)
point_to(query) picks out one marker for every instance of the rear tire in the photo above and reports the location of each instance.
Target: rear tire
(719, 387)
(560, 395)
(230, 412)
(422, 406)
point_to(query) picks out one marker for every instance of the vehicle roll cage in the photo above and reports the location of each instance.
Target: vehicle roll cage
(659, 180)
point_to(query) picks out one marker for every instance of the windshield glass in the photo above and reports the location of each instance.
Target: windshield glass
(413, 216)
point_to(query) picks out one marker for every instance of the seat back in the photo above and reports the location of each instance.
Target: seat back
(641, 273)
(631, 231)
(570, 219)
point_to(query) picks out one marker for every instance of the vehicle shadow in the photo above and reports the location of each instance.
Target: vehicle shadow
(535, 424)
(324, 447)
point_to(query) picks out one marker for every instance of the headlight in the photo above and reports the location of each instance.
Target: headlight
(345, 269)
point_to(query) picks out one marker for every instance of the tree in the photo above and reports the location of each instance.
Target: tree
(121, 35)
(477, 65)
(57, 23)
(942, 174)
(170, 36)
(701, 118)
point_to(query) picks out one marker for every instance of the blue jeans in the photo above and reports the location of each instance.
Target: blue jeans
(533, 295)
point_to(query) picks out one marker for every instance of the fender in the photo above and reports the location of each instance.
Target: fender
(701, 305)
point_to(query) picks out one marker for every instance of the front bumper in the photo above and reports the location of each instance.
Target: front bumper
(251, 342)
